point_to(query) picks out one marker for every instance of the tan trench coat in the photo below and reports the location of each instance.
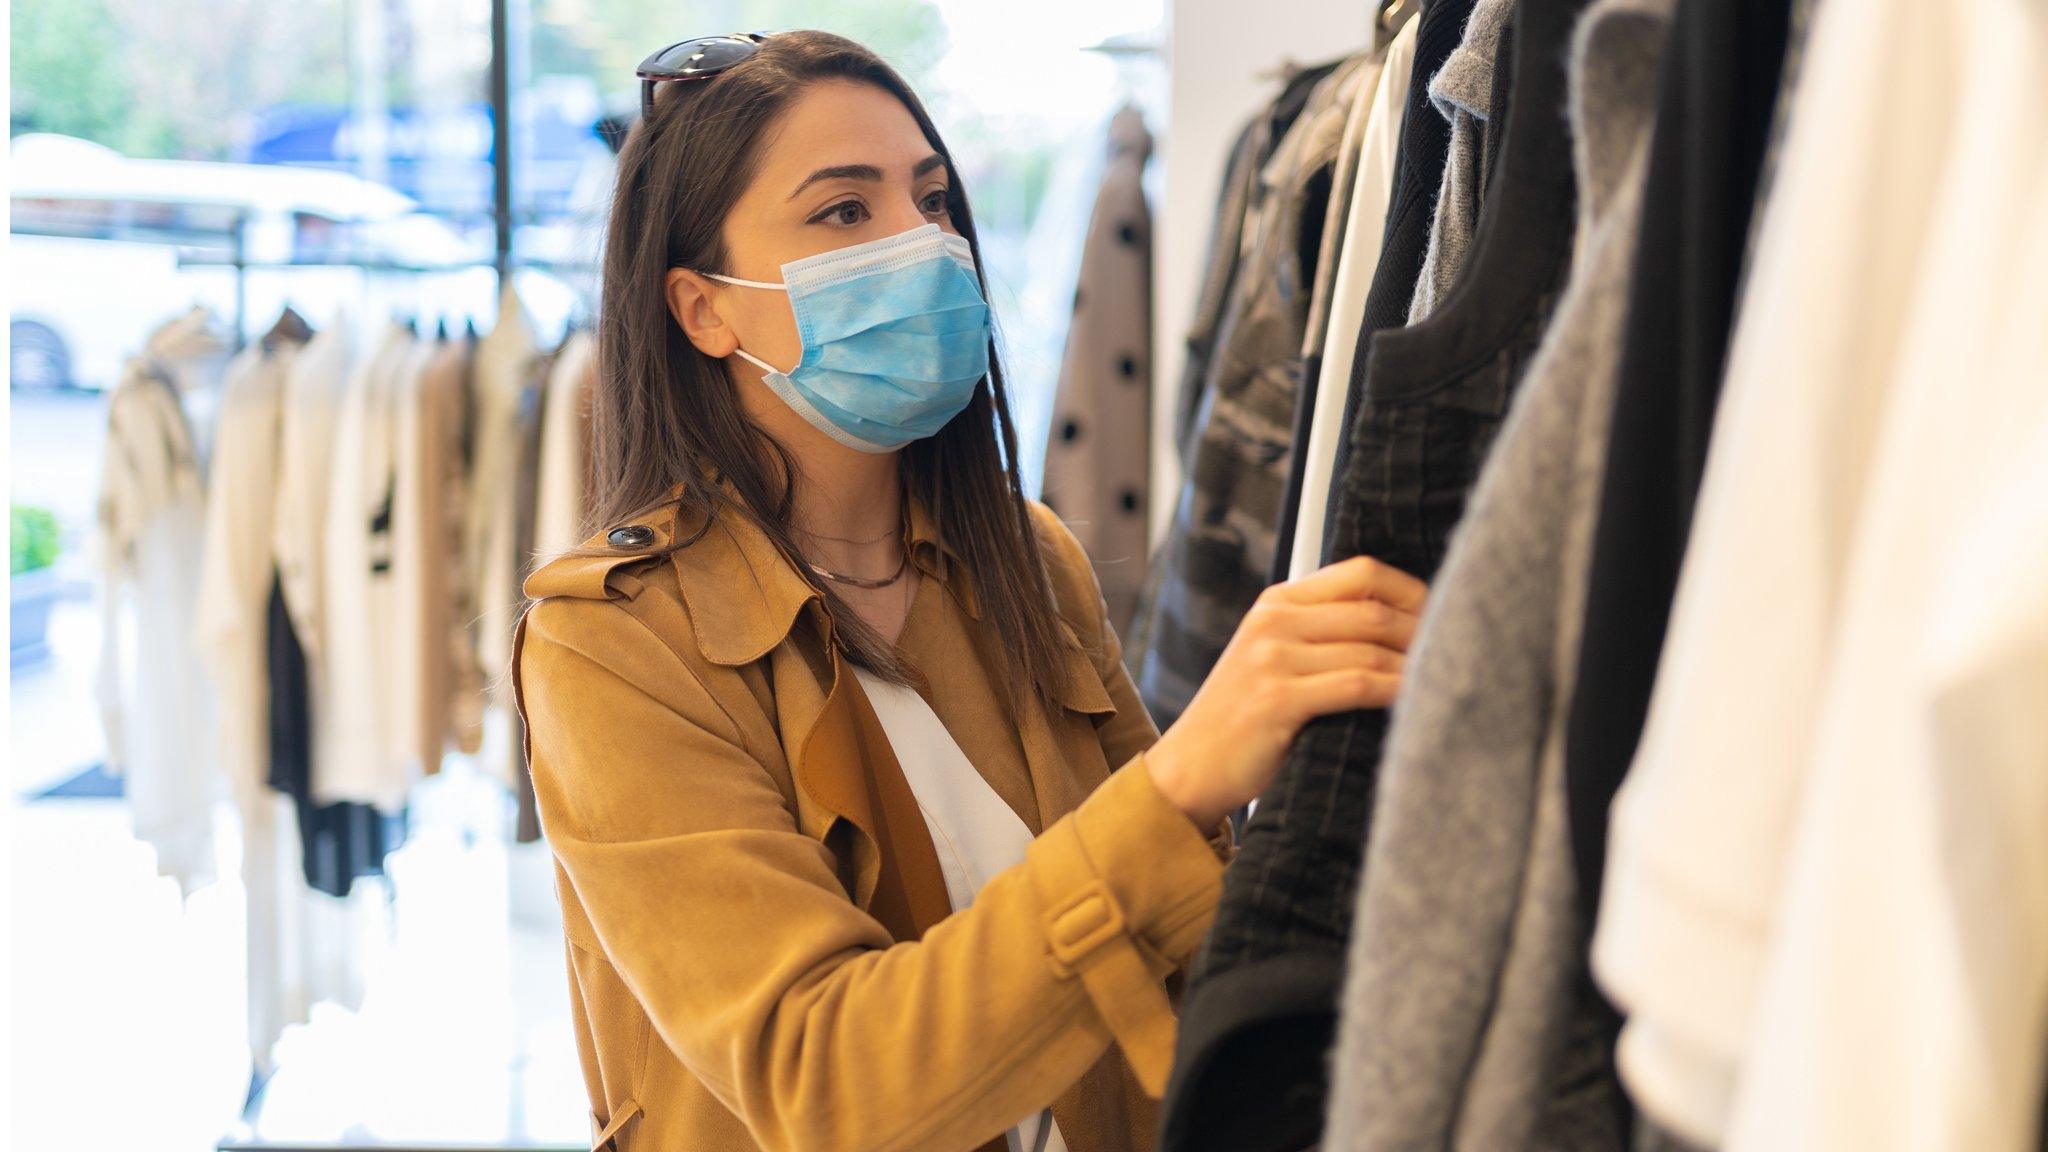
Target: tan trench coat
(758, 940)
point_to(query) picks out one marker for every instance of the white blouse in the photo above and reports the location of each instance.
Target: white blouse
(975, 833)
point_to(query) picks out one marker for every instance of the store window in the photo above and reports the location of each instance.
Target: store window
(332, 160)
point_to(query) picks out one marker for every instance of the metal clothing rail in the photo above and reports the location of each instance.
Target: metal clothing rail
(196, 261)
(242, 265)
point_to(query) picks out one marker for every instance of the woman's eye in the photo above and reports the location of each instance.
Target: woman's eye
(847, 213)
(934, 202)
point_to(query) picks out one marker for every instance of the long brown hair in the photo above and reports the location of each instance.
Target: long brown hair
(664, 413)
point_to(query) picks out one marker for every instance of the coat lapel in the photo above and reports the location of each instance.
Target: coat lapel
(852, 794)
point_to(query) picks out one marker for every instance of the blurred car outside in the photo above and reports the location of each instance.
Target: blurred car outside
(104, 247)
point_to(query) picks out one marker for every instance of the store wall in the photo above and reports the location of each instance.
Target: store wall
(1225, 57)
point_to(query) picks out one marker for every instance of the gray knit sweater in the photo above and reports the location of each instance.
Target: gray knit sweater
(1459, 1026)
(1463, 91)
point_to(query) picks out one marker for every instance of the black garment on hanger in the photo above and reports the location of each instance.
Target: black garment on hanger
(1399, 281)
(1715, 107)
(337, 842)
(1423, 405)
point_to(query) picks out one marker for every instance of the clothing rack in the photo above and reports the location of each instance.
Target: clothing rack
(237, 259)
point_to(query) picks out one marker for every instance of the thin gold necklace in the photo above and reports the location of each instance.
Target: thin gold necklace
(845, 540)
(902, 564)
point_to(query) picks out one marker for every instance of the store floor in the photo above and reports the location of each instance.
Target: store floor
(129, 1002)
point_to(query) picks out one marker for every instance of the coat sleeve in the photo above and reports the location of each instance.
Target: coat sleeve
(733, 931)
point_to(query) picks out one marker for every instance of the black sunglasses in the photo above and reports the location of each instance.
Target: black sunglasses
(698, 59)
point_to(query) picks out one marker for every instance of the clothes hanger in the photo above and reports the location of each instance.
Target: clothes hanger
(1391, 16)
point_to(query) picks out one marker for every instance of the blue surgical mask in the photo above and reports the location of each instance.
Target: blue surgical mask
(895, 337)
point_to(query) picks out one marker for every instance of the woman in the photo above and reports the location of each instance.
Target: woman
(863, 838)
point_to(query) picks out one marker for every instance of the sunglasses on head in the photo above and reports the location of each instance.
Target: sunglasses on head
(698, 59)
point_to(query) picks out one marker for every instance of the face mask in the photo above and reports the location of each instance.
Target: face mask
(895, 337)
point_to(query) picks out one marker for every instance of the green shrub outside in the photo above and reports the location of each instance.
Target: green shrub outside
(32, 539)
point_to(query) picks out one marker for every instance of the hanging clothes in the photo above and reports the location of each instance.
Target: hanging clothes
(1466, 973)
(154, 700)
(1418, 174)
(452, 380)
(1706, 829)
(425, 524)
(1424, 403)
(1219, 271)
(1219, 548)
(502, 368)
(339, 842)
(231, 630)
(1890, 994)
(1219, 268)
(563, 489)
(1356, 260)
(417, 598)
(1470, 91)
(314, 386)
(1098, 459)
(237, 570)
(1336, 218)
(525, 513)
(1721, 82)
(354, 734)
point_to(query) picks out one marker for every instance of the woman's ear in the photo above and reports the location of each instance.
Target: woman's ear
(690, 298)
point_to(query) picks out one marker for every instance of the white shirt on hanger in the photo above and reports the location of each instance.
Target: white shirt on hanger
(313, 389)
(154, 701)
(1774, 920)
(1357, 260)
(352, 742)
(1903, 991)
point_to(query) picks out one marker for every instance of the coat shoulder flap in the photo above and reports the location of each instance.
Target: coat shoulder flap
(612, 563)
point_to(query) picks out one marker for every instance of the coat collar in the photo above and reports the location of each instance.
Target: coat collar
(744, 595)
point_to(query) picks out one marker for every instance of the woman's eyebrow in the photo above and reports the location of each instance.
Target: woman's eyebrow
(864, 172)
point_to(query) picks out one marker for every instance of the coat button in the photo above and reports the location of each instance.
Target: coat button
(630, 536)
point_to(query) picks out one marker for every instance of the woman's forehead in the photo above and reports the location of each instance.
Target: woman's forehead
(840, 123)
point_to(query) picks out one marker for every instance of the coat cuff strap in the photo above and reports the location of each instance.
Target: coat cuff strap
(1107, 875)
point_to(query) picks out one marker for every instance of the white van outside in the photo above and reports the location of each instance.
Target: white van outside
(102, 249)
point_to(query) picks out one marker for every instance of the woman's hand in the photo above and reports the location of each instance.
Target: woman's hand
(1331, 641)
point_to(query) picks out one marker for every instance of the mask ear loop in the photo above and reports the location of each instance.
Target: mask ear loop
(742, 353)
(757, 362)
(745, 283)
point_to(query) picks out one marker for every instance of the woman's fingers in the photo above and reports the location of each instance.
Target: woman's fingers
(1345, 690)
(1310, 659)
(1350, 621)
(1357, 578)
